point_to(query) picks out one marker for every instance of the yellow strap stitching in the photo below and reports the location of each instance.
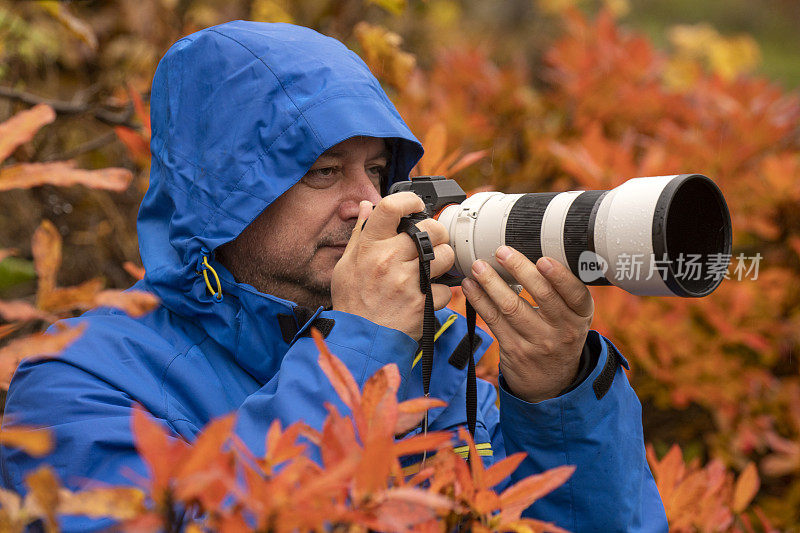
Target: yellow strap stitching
(447, 323)
(216, 293)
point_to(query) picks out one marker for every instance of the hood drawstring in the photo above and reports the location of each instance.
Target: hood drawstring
(204, 268)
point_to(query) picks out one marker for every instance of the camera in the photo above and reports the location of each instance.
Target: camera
(654, 236)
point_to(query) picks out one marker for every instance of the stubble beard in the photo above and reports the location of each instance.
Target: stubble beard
(280, 273)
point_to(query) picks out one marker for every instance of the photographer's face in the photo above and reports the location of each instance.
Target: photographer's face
(291, 248)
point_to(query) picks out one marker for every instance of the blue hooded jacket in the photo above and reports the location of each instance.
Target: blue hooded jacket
(239, 113)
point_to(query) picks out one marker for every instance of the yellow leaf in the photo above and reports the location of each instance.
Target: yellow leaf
(36, 442)
(383, 54)
(120, 503)
(394, 7)
(271, 11)
(76, 26)
(44, 496)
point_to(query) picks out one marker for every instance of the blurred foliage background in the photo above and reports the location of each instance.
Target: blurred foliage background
(561, 94)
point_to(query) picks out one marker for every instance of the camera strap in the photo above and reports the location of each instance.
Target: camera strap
(425, 251)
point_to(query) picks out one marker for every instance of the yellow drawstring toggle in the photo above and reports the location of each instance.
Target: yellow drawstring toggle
(447, 323)
(216, 293)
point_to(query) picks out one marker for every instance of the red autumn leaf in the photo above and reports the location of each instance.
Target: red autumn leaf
(141, 113)
(137, 145)
(134, 303)
(63, 174)
(21, 128)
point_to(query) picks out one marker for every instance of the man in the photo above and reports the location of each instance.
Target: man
(270, 146)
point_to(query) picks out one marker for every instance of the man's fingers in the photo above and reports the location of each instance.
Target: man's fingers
(514, 309)
(572, 290)
(364, 211)
(444, 256)
(441, 295)
(551, 304)
(387, 214)
(488, 311)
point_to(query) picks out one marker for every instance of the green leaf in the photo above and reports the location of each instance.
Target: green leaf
(14, 271)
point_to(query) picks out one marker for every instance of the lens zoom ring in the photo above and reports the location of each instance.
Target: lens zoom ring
(524, 225)
(577, 237)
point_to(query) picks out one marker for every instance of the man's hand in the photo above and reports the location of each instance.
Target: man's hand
(378, 275)
(540, 347)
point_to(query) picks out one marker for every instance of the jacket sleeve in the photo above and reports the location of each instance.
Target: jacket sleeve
(301, 389)
(597, 427)
(89, 413)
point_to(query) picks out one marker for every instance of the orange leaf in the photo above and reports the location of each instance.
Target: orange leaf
(502, 469)
(21, 128)
(420, 443)
(746, 488)
(136, 272)
(46, 249)
(341, 379)
(521, 495)
(530, 525)
(19, 310)
(134, 303)
(475, 464)
(61, 299)
(411, 412)
(135, 142)
(63, 174)
(435, 144)
(138, 105)
(207, 446)
(44, 486)
(466, 161)
(161, 453)
(36, 442)
(40, 345)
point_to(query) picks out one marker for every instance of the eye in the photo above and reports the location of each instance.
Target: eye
(377, 170)
(323, 172)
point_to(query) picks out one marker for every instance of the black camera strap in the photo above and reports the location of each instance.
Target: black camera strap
(426, 255)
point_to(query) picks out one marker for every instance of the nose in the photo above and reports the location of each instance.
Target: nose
(358, 187)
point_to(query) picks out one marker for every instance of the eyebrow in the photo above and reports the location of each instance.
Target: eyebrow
(345, 153)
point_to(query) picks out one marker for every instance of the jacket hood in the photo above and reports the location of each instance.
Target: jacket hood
(239, 113)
